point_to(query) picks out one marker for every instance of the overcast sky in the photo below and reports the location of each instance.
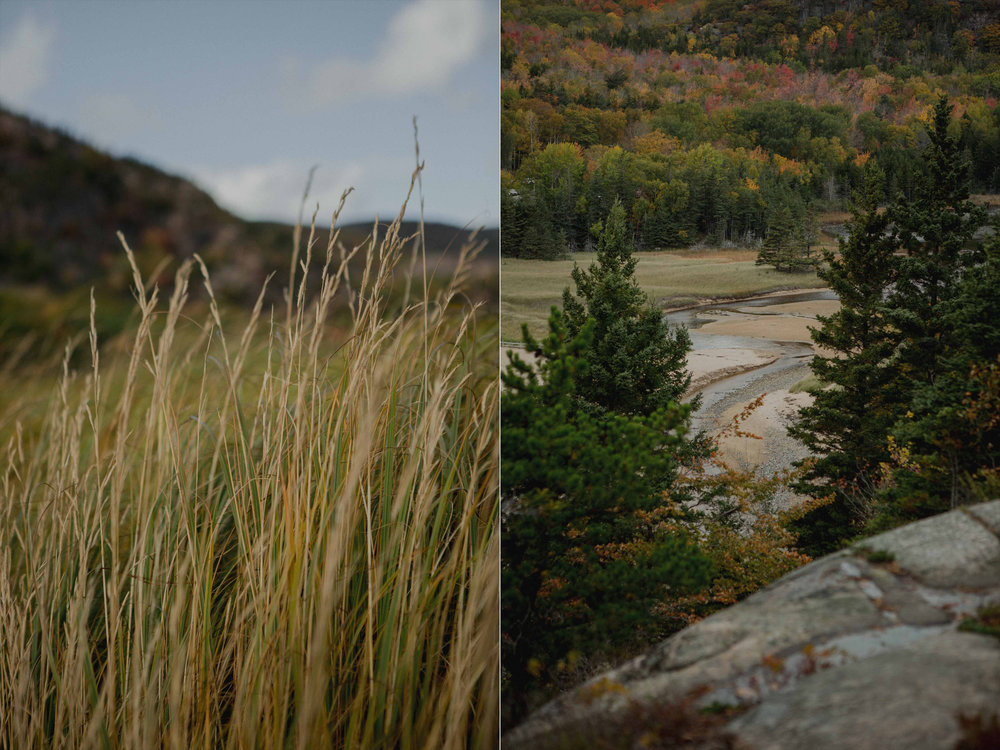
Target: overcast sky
(243, 96)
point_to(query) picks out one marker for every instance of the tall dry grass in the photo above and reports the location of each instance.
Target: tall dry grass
(264, 540)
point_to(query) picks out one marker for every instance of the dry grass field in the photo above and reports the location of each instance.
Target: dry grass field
(273, 534)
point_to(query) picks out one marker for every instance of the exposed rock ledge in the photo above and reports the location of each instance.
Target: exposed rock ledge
(842, 653)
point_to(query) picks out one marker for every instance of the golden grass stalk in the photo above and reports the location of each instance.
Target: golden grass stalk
(280, 540)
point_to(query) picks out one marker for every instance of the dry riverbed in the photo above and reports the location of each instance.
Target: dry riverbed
(779, 322)
(772, 353)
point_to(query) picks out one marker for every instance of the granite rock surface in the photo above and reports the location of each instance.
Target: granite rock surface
(869, 647)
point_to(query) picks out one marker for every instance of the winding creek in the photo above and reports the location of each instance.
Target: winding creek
(790, 365)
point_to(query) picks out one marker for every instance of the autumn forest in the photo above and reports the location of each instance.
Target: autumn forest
(714, 121)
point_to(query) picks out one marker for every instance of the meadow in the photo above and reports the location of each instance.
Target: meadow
(671, 278)
(258, 529)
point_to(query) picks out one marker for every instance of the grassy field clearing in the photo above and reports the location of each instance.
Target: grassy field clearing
(528, 288)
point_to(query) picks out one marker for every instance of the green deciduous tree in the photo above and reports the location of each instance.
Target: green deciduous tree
(789, 128)
(684, 120)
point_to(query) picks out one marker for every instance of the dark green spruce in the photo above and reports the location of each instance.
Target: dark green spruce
(587, 550)
(936, 290)
(846, 425)
(636, 363)
(896, 436)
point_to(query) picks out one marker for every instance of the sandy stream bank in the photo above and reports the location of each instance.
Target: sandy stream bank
(731, 377)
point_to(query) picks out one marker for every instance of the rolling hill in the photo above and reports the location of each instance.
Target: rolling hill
(62, 202)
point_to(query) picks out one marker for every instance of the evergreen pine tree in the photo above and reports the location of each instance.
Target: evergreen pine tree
(846, 425)
(636, 363)
(539, 237)
(777, 248)
(805, 236)
(675, 199)
(934, 228)
(512, 219)
(585, 552)
(787, 241)
(953, 445)
(664, 225)
(906, 354)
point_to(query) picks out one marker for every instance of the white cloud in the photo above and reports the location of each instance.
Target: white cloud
(24, 59)
(113, 117)
(274, 190)
(425, 43)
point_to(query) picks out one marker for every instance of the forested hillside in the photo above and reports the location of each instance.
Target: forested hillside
(62, 202)
(711, 121)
